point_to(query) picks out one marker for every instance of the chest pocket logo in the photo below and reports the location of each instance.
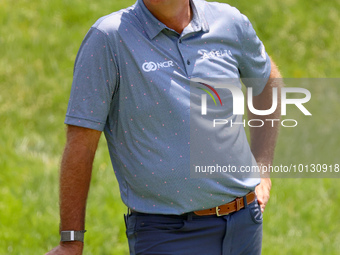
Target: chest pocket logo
(152, 66)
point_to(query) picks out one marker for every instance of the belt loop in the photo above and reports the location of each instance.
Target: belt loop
(238, 204)
(126, 216)
(245, 201)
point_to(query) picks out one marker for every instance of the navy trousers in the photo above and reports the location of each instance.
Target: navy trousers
(234, 234)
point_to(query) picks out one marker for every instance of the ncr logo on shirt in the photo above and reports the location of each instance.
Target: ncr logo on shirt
(152, 66)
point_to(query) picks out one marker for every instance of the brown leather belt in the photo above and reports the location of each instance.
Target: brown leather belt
(230, 207)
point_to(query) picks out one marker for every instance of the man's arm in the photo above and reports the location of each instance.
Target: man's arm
(263, 139)
(75, 176)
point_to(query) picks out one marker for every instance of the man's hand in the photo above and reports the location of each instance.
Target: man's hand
(263, 192)
(67, 248)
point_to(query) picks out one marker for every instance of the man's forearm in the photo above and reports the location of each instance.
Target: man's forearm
(75, 176)
(263, 139)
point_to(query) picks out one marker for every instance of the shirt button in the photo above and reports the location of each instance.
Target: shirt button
(188, 62)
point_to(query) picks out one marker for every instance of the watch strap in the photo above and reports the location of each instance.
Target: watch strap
(71, 235)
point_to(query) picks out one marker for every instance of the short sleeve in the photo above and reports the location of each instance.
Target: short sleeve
(254, 63)
(94, 82)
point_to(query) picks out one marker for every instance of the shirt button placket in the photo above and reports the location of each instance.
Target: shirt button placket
(186, 60)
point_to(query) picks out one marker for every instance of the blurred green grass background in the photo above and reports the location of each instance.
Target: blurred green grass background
(39, 40)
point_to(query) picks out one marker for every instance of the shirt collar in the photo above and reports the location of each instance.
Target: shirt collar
(152, 26)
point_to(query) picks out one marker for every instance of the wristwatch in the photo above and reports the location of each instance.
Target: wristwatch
(71, 235)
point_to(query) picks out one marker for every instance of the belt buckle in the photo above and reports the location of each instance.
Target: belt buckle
(217, 212)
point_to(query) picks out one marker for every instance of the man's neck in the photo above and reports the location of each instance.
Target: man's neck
(175, 14)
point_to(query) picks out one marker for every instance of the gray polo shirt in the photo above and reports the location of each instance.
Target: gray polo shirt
(133, 80)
